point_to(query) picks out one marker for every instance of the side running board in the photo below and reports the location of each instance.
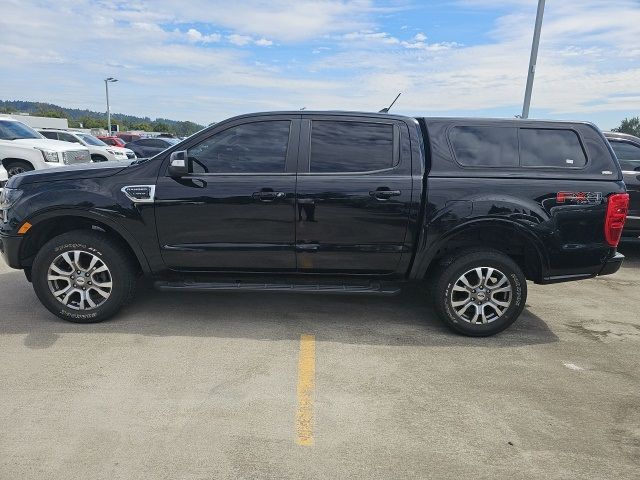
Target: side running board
(372, 288)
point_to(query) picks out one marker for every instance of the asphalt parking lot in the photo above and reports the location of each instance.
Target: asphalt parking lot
(204, 386)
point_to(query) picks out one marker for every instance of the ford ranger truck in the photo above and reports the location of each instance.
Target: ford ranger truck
(330, 203)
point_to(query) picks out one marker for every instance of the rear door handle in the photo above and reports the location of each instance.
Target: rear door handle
(384, 194)
(268, 196)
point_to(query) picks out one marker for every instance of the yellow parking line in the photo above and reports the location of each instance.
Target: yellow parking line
(306, 387)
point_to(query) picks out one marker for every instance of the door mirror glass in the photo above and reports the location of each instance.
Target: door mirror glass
(178, 164)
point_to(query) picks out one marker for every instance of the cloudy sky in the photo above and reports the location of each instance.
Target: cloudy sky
(205, 60)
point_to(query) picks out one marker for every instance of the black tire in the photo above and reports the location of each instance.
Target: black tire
(452, 271)
(98, 158)
(15, 167)
(121, 272)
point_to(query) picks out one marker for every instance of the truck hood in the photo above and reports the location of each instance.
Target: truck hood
(70, 173)
(55, 145)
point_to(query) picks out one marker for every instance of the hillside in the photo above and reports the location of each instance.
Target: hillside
(91, 119)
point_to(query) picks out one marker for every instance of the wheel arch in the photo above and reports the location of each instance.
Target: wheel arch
(511, 238)
(50, 224)
(6, 161)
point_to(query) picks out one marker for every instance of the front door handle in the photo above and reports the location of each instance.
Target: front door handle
(268, 195)
(384, 193)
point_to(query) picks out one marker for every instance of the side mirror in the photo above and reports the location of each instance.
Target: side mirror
(178, 164)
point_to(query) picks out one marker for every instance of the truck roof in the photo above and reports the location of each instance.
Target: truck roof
(427, 119)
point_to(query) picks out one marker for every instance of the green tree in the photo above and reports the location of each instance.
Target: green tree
(160, 126)
(630, 126)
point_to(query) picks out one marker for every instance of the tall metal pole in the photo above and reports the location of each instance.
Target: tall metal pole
(533, 59)
(106, 87)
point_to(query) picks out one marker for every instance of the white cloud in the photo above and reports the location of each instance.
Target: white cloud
(263, 42)
(195, 36)
(284, 20)
(239, 40)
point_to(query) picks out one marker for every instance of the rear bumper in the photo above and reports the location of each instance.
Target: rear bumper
(612, 265)
(10, 250)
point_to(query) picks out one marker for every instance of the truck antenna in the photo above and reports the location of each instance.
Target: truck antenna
(386, 110)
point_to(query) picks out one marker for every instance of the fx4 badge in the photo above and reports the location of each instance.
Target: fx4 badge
(579, 198)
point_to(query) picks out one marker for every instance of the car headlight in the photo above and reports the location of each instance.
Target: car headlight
(9, 196)
(49, 155)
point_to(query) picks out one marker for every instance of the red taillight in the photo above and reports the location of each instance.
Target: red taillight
(617, 208)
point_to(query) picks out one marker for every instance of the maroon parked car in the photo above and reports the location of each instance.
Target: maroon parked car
(113, 141)
(128, 137)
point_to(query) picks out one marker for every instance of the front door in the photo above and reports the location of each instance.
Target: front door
(235, 210)
(354, 194)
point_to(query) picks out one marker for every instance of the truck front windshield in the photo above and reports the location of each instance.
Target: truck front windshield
(15, 130)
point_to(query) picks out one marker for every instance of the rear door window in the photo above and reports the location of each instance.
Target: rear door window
(66, 137)
(342, 146)
(555, 148)
(484, 146)
(628, 155)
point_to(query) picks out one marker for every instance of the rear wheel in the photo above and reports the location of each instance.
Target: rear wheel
(83, 276)
(16, 167)
(480, 293)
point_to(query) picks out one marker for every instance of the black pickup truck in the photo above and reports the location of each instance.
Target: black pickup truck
(328, 202)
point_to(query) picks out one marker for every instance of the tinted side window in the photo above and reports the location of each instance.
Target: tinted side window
(51, 135)
(626, 151)
(551, 148)
(67, 138)
(628, 155)
(145, 142)
(259, 147)
(351, 146)
(477, 146)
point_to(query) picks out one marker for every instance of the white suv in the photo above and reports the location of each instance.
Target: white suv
(100, 151)
(23, 149)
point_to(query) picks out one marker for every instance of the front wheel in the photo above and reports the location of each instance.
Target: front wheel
(83, 276)
(18, 167)
(480, 293)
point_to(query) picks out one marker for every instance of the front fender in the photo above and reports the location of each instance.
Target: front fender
(100, 218)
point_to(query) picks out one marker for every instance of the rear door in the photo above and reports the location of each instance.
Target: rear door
(353, 194)
(235, 211)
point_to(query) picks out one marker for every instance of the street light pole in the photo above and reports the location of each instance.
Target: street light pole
(533, 59)
(106, 88)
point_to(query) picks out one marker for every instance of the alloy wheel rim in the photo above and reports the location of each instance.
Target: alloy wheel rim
(80, 280)
(481, 295)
